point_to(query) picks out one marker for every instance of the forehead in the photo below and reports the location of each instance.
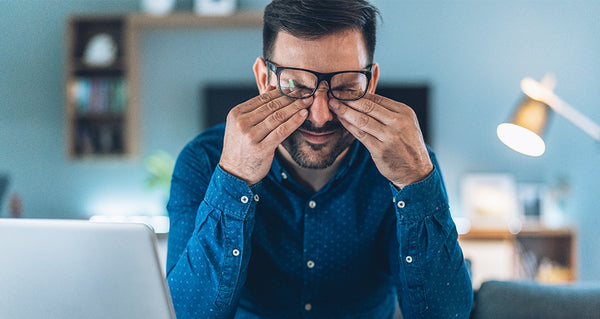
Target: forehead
(330, 53)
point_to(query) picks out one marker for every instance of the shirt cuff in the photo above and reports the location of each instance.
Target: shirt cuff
(231, 195)
(420, 200)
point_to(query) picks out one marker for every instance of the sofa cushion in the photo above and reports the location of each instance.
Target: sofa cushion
(503, 299)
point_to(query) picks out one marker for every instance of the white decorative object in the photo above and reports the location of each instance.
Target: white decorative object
(157, 7)
(214, 7)
(100, 51)
(491, 201)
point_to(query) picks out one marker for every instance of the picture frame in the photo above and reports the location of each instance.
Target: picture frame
(490, 201)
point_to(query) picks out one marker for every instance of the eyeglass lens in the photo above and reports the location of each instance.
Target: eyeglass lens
(344, 86)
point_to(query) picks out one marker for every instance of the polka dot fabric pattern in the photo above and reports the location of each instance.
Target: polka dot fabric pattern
(275, 250)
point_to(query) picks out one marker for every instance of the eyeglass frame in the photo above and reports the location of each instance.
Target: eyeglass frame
(320, 78)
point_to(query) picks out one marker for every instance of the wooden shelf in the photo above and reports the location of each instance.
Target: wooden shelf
(78, 66)
(191, 20)
(85, 132)
(137, 24)
(100, 116)
(536, 252)
(97, 121)
(536, 231)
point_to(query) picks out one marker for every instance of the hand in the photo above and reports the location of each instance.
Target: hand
(253, 131)
(390, 131)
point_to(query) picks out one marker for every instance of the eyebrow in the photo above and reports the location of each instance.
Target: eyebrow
(366, 68)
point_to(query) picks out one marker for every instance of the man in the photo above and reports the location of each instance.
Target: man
(318, 198)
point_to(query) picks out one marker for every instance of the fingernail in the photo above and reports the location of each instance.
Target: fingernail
(334, 104)
(308, 101)
(303, 112)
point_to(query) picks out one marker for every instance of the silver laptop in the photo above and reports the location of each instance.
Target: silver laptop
(80, 269)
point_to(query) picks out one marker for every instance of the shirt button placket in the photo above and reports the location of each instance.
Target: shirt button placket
(400, 204)
(310, 264)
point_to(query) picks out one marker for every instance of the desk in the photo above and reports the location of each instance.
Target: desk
(546, 255)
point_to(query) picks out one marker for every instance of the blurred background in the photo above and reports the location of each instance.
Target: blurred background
(470, 54)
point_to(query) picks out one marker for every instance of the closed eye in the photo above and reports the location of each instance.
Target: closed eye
(347, 87)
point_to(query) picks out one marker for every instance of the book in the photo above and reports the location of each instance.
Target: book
(100, 95)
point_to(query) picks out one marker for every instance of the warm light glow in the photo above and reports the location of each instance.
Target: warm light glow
(521, 139)
(535, 90)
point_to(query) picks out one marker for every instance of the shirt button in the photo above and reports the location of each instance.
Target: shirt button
(235, 252)
(283, 175)
(312, 204)
(310, 264)
(256, 197)
(401, 204)
(307, 307)
(244, 199)
(409, 259)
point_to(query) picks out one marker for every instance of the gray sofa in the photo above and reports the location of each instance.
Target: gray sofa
(514, 300)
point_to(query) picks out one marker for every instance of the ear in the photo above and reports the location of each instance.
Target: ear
(261, 73)
(374, 78)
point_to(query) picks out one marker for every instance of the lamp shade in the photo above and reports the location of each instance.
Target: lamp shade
(526, 128)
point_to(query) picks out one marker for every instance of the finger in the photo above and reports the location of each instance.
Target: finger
(274, 106)
(362, 121)
(276, 118)
(388, 103)
(367, 139)
(371, 108)
(384, 109)
(403, 115)
(258, 101)
(285, 129)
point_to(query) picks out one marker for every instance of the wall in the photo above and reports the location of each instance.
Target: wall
(472, 52)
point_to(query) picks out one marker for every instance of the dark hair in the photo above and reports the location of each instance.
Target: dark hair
(312, 19)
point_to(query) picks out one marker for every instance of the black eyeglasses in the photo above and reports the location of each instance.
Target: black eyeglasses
(301, 84)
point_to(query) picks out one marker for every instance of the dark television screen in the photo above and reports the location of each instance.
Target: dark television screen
(417, 97)
(219, 99)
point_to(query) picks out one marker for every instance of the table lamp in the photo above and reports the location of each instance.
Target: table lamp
(526, 128)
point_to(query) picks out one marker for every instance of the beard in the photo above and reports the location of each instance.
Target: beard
(318, 156)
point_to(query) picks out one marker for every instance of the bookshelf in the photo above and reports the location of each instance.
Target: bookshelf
(103, 102)
(97, 110)
(535, 253)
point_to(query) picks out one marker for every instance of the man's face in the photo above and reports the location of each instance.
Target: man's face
(322, 138)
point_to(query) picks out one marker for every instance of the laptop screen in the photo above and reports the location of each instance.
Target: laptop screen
(80, 269)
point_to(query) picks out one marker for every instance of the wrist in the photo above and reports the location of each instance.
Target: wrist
(233, 171)
(415, 178)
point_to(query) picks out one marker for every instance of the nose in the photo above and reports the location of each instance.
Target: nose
(318, 112)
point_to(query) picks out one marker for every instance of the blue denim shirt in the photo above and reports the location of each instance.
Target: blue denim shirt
(277, 250)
